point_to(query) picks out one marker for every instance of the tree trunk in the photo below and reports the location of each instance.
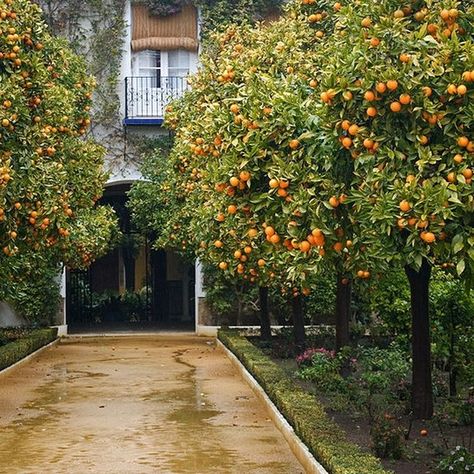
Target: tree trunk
(265, 328)
(343, 312)
(422, 389)
(452, 361)
(298, 322)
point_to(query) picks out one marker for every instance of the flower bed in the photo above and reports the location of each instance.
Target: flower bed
(323, 437)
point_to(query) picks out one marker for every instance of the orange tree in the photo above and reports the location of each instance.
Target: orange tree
(397, 99)
(245, 156)
(50, 176)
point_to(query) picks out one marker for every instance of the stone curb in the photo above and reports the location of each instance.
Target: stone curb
(28, 357)
(300, 450)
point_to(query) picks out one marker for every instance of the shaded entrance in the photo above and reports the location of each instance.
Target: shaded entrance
(133, 287)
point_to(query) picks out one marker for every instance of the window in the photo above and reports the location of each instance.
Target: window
(157, 64)
(149, 63)
(178, 63)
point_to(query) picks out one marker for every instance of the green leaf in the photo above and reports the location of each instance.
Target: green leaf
(460, 267)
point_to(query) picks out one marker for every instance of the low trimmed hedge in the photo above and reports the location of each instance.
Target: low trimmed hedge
(324, 438)
(14, 351)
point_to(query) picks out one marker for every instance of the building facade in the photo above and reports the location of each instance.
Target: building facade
(136, 286)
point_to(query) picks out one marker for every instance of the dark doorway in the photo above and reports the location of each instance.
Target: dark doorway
(133, 287)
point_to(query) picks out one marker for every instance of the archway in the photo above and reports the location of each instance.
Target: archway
(133, 287)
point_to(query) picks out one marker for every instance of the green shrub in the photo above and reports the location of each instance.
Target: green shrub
(324, 438)
(459, 461)
(14, 351)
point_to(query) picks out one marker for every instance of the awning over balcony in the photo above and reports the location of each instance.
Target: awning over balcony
(164, 33)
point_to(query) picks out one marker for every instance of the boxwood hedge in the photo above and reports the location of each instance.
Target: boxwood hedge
(20, 348)
(324, 438)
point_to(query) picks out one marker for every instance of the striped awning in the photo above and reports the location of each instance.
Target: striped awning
(164, 33)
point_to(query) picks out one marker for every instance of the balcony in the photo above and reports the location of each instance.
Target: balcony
(146, 98)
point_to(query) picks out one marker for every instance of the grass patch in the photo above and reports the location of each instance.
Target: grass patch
(20, 347)
(324, 438)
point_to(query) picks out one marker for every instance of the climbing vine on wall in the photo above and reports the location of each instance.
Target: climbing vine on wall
(96, 30)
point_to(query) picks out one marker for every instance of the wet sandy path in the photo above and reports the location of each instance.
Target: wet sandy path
(159, 404)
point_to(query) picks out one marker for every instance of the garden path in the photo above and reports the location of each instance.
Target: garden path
(154, 404)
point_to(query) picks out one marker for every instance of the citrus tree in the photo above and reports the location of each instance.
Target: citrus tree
(50, 176)
(397, 99)
(240, 148)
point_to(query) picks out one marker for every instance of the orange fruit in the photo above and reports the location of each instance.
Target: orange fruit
(405, 99)
(237, 254)
(353, 130)
(463, 142)
(347, 142)
(305, 246)
(252, 233)
(427, 91)
(333, 201)
(220, 217)
(395, 107)
(374, 42)
(294, 144)
(467, 173)
(261, 262)
(451, 177)
(371, 111)
(369, 96)
(404, 206)
(234, 181)
(345, 125)
(366, 22)
(248, 249)
(381, 87)
(462, 89)
(223, 265)
(444, 14)
(428, 237)
(392, 85)
(404, 58)
(458, 159)
(218, 244)
(338, 246)
(232, 209)
(269, 230)
(284, 183)
(274, 183)
(368, 143)
(244, 175)
(452, 89)
(275, 238)
(234, 108)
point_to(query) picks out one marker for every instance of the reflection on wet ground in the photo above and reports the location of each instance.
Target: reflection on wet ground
(135, 405)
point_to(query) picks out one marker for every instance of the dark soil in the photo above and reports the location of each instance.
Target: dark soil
(421, 453)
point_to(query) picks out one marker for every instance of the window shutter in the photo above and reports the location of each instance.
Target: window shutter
(164, 33)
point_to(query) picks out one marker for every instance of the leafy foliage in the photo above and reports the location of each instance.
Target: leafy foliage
(50, 177)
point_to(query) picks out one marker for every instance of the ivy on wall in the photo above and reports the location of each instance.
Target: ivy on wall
(96, 30)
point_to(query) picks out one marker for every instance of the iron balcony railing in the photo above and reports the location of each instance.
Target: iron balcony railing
(147, 97)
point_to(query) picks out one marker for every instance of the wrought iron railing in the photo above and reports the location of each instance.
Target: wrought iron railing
(147, 97)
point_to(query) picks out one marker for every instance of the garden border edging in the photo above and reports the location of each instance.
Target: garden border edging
(30, 356)
(299, 449)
